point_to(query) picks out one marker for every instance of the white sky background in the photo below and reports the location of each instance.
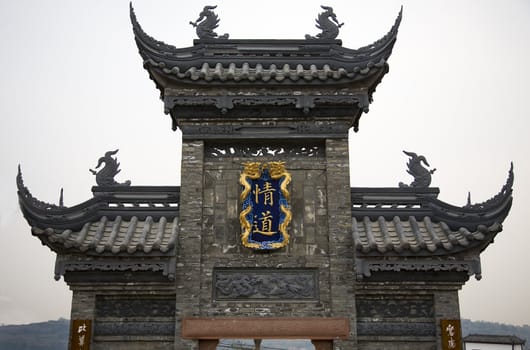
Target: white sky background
(73, 86)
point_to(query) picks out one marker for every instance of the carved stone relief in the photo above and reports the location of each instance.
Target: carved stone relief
(226, 150)
(135, 307)
(396, 329)
(261, 284)
(137, 328)
(384, 307)
(138, 316)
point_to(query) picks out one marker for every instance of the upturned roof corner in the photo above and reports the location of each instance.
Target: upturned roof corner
(413, 224)
(254, 61)
(322, 71)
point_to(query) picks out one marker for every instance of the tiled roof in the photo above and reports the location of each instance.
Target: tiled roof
(409, 229)
(275, 61)
(117, 220)
(114, 236)
(412, 221)
(259, 72)
(416, 237)
(493, 339)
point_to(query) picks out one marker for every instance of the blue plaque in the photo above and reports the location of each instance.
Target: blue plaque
(265, 212)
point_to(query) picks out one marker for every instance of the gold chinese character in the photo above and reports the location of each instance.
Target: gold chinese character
(82, 328)
(82, 340)
(266, 224)
(267, 192)
(450, 330)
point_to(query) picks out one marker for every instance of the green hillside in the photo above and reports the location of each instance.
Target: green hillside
(50, 335)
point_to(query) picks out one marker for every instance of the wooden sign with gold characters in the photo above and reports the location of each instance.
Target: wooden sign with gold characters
(451, 335)
(265, 212)
(80, 334)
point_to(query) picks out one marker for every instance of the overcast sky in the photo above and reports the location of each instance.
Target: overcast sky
(73, 87)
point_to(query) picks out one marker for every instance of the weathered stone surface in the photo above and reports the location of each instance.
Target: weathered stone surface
(265, 284)
(391, 307)
(132, 344)
(134, 328)
(122, 306)
(400, 329)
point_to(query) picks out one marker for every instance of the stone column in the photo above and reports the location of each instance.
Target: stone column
(446, 307)
(342, 278)
(188, 271)
(83, 308)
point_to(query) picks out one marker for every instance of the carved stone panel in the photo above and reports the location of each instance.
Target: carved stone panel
(134, 307)
(378, 307)
(135, 328)
(224, 150)
(145, 316)
(396, 329)
(389, 315)
(265, 285)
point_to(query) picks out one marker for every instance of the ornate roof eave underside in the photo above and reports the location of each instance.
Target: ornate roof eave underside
(411, 222)
(118, 221)
(278, 62)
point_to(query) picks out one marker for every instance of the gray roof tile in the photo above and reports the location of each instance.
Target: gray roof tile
(114, 236)
(415, 237)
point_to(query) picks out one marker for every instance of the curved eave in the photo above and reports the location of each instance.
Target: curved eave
(456, 217)
(470, 216)
(44, 215)
(420, 203)
(269, 61)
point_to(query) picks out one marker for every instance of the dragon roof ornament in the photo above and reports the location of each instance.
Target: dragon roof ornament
(259, 61)
(105, 176)
(422, 176)
(206, 23)
(328, 23)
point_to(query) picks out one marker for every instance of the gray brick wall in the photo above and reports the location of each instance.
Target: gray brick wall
(321, 249)
(189, 270)
(308, 247)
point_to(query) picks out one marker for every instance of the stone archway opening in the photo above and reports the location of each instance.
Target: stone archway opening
(265, 344)
(319, 332)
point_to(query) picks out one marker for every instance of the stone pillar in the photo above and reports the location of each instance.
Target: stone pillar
(446, 307)
(83, 305)
(83, 308)
(188, 269)
(341, 260)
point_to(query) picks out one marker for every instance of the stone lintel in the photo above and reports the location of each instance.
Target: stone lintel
(266, 328)
(224, 103)
(271, 129)
(417, 270)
